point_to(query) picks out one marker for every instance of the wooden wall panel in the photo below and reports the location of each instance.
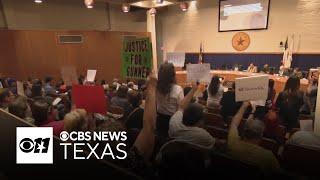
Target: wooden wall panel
(37, 54)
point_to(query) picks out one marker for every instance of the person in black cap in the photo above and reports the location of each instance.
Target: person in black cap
(186, 123)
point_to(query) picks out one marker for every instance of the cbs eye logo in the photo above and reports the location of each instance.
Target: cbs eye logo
(38, 145)
(34, 145)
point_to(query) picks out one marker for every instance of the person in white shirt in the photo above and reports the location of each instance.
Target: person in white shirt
(306, 139)
(169, 96)
(281, 69)
(215, 92)
(185, 124)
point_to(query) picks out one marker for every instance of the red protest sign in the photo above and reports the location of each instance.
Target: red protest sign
(90, 98)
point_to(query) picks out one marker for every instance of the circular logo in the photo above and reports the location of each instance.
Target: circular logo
(26, 145)
(64, 136)
(241, 41)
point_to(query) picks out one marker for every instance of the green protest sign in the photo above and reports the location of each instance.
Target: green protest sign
(136, 58)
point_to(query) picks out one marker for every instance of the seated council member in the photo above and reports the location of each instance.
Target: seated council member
(266, 69)
(246, 148)
(185, 124)
(252, 68)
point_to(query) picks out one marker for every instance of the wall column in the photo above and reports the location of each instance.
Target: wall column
(317, 113)
(3, 20)
(151, 27)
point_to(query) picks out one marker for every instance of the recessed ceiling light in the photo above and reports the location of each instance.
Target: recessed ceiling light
(89, 3)
(38, 1)
(159, 1)
(125, 8)
(153, 11)
(184, 6)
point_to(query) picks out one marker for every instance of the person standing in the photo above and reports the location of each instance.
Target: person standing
(289, 103)
(169, 96)
(215, 93)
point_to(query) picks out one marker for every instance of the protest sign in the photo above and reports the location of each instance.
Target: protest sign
(69, 75)
(198, 73)
(90, 98)
(136, 58)
(176, 58)
(56, 101)
(91, 75)
(20, 89)
(252, 88)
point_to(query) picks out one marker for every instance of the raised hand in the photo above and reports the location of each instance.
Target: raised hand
(152, 79)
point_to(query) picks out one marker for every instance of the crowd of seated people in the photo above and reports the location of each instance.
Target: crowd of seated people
(168, 129)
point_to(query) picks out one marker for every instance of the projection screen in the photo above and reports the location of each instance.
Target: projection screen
(236, 15)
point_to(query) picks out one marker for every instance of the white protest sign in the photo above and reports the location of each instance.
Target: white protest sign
(69, 75)
(56, 101)
(91, 75)
(252, 88)
(176, 58)
(258, 103)
(20, 89)
(198, 73)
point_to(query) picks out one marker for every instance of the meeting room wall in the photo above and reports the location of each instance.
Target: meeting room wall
(2, 18)
(70, 15)
(183, 31)
(36, 54)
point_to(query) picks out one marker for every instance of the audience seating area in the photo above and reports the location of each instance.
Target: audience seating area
(296, 161)
(62, 168)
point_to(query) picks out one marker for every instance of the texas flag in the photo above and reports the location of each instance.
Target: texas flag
(287, 54)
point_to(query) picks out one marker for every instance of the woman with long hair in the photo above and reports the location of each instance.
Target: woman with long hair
(169, 96)
(310, 96)
(289, 103)
(215, 92)
(271, 95)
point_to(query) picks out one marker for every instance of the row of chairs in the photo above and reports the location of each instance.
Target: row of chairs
(213, 118)
(293, 158)
(222, 133)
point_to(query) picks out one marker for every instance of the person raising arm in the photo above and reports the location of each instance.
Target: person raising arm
(186, 101)
(246, 148)
(186, 124)
(146, 138)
